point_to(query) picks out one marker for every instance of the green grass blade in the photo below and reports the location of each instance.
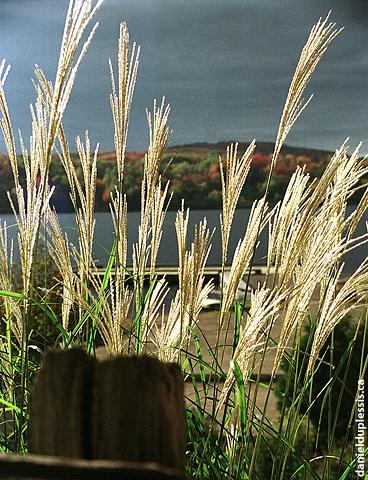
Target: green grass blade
(240, 396)
(350, 468)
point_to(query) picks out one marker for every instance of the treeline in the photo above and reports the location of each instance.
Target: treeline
(194, 176)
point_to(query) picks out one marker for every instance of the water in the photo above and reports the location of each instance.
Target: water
(168, 253)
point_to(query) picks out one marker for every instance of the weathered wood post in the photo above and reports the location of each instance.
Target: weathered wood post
(124, 409)
(138, 412)
(61, 404)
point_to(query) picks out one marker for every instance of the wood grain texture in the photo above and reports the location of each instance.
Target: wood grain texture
(19, 467)
(123, 409)
(61, 403)
(138, 412)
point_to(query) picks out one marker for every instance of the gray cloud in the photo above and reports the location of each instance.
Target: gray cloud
(225, 67)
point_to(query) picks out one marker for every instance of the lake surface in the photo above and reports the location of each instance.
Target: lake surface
(168, 253)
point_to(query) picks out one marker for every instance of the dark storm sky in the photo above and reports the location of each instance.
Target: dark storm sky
(224, 65)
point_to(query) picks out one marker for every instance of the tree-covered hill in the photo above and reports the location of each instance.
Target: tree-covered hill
(193, 172)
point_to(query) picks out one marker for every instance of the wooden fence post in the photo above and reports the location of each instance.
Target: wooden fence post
(124, 409)
(61, 403)
(138, 412)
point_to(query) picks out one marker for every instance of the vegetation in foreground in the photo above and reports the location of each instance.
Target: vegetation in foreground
(229, 436)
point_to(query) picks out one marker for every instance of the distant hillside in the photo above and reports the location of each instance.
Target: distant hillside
(193, 172)
(261, 147)
(201, 150)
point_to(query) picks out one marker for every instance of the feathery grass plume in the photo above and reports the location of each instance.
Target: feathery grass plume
(5, 122)
(305, 206)
(242, 256)
(86, 196)
(167, 336)
(82, 194)
(108, 308)
(171, 335)
(79, 15)
(59, 248)
(158, 140)
(12, 310)
(283, 224)
(351, 172)
(232, 185)
(121, 100)
(119, 212)
(322, 249)
(192, 288)
(181, 227)
(159, 137)
(352, 295)
(152, 308)
(46, 121)
(83, 198)
(266, 305)
(348, 172)
(32, 201)
(320, 37)
(158, 214)
(358, 212)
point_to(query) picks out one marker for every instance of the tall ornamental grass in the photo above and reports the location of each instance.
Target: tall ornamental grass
(132, 311)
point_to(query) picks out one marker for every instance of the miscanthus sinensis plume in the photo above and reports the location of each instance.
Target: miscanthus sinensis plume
(172, 332)
(320, 37)
(60, 248)
(266, 305)
(312, 241)
(31, 201)
(243, 256)
(159, 137)
(338, 304)
(234, 172)
(122, 95)
(192, 287)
